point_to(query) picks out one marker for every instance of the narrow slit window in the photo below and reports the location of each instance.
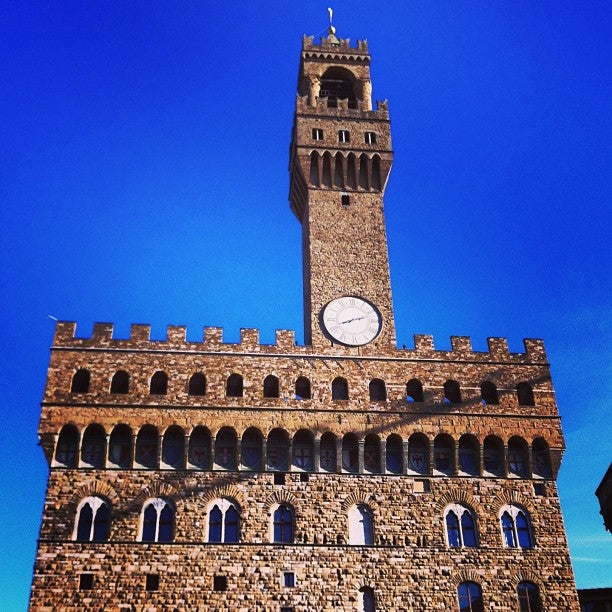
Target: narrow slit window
(345, 199)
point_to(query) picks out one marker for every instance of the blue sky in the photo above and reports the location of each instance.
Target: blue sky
(144, 179)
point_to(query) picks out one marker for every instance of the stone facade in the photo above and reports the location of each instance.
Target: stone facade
(403, 435)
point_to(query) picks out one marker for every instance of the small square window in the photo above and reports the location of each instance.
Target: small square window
(304, 477)
(539, 488)
(421, 486)
(85, 582)
(279, 478)
(317, 134)
(220, 583)
(288, 579)
(370, 137)
(345, 199)
(344, 136)
(152, 582)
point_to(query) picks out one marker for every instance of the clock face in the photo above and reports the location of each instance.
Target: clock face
(351, 320)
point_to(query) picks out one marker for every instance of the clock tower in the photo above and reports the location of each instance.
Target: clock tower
(340, 160)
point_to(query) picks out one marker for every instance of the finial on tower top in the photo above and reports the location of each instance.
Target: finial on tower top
(331, 31)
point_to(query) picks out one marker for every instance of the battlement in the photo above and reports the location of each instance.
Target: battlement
(176, 339)
(333, 45)
(342, 109)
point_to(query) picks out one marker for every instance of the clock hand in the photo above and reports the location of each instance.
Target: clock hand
(351, 320)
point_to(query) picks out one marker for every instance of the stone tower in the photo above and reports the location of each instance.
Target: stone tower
(344, 474)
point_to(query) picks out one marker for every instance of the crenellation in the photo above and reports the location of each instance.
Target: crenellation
(461, 345)
(140, 333)
(498, 347)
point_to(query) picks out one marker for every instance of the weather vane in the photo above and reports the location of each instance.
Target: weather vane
(331, 17)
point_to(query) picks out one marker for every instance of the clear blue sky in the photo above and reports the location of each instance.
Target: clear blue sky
(144, 179)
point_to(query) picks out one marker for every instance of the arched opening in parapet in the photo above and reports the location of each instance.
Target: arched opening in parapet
(338, 84)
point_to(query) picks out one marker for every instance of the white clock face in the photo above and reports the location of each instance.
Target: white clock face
(351, 320)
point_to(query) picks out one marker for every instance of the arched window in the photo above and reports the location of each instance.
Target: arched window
(67, 448)
(327, 451)
(80, 381)
(524, 392)
(541, 458)
(157, 521)
(452, 393)
(234, 386)
(350, 453)
(223, 521)
(488, 393)
(371, 454)
(351, 175)
(516, 527)
(158, 384)
(528, 597)
(197, 384)
(414, 391)
(146, 447)
(378, 391)
(338, 84)
(251, 449)
(92, 520)
(444, 455)
(418, 454)
(120, 446)
(493, 456)
(363, 172)
(93, 448)
(314, 169)
(303, 451)
(270, 386)
(339, 389)
(394, 454)
(302, 388)
(173, 447)
(360, 525)
(120, 382)
(517, 457)
(338, 170)
(470, 597)
(460, 527)
(225, 449)
(366, 601)
(282, 524)
(277, 450)
(199, 448)
(326, 178)
(376, 183)
(469, 455)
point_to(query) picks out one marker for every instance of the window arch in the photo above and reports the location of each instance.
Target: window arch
(120, 383)
(541, 458)
(157, 521)
(371, 454)
(92, 520)
(197, 384)
(93, 448)
(314, 169)
(469, 455)
(234, 386)
(225, 449)
(251, 449)
(493, 456)
(277, 450)
(516, 527)
(270, 386)
(338, 83)
(282, 524)
(302, 388)
(350, 453)
(158, 384)
(360, 524)
(460, 527)
(524, 392)
(327, 452)
(528, 597)
(376, 182)
(470, 597)
(394, 454)
(340, 389)
(488, 393)
(303, 451)
(366, 601)
(414, 390)
(444, 455)
(67, 449)
(223, 521)
(452, 392)
(199, 448)
(418, 454)
(80, 381)
(517, 457)
(120, 446)
(173, 447)
(378, 390)
(146, 447)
